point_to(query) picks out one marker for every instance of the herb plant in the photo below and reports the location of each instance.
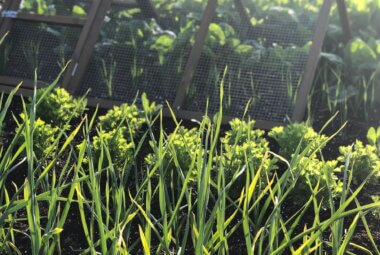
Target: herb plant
(364, 161)
(297, 135)
(373, 137)
(316, 174)
(117, 130)
(181, 148)
(44, 137)
(244, 146)
(58, 107)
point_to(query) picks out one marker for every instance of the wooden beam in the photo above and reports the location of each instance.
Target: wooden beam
(85, 46)
(312, 62)
(148, 9)
(195, 54)
(20, 91)
(26, 83)
(343, 15)
(11, 5)
(244, 15)
(57, 20)
(188, 115)
(125, 3)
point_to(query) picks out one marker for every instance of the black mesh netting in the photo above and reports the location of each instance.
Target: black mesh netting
(37, 46)
(78, 8)
(135, 54)
(264, 58)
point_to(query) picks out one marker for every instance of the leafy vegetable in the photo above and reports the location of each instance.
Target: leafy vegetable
(296, 135)
(57, 107)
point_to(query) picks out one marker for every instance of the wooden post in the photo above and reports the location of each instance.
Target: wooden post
(10, 5)
(195, 54)
(343, 15)
(85, 46)
(240, 7)
(312, 62)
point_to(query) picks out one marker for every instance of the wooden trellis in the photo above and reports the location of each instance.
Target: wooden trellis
(90, 27)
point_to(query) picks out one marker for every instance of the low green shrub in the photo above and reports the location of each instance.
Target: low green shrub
(311, 172)
(363, 161)
(58, 106)
(126, 117)
(373, 137)
(117, 130)
(44, 137)
(121, 150)
(243, 145)
(182, 147)
(293, 135)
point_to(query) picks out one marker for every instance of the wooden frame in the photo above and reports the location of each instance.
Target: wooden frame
(195, 54)
(81, 59)
(312, 62)
(91, 27)
(84, 23)
(85, 45)
(307, 79)
(344, 20)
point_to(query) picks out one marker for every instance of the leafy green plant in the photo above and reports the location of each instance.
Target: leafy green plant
(108, 75)
(32, 53)
(373, 137)
(127, 118)
(42, 183)
(44, 137)
(360, 55)
(296, 135)
(183, 145)
(53, 7)
(364, 161)
(244, 145)
(119, 147)
(314, 173)
(117, 130)
(58, 107)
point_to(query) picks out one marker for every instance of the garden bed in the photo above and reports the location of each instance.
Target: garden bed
(73, 238)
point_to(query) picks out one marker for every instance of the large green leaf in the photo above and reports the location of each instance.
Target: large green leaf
(371, 136)
(332, 58)
(79, 11)
(360, 55)
(217, 35)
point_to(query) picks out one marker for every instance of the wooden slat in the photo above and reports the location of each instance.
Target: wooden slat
(26, 83)
(343, 15)
(125, 3)
(181, 114)
(261, 124)
(20, 91)
(195, 54)
(57, 20)
(244, 15)
(103, 103)
(12, 5)
(312, 62)
(149, 11)
(85, 46)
